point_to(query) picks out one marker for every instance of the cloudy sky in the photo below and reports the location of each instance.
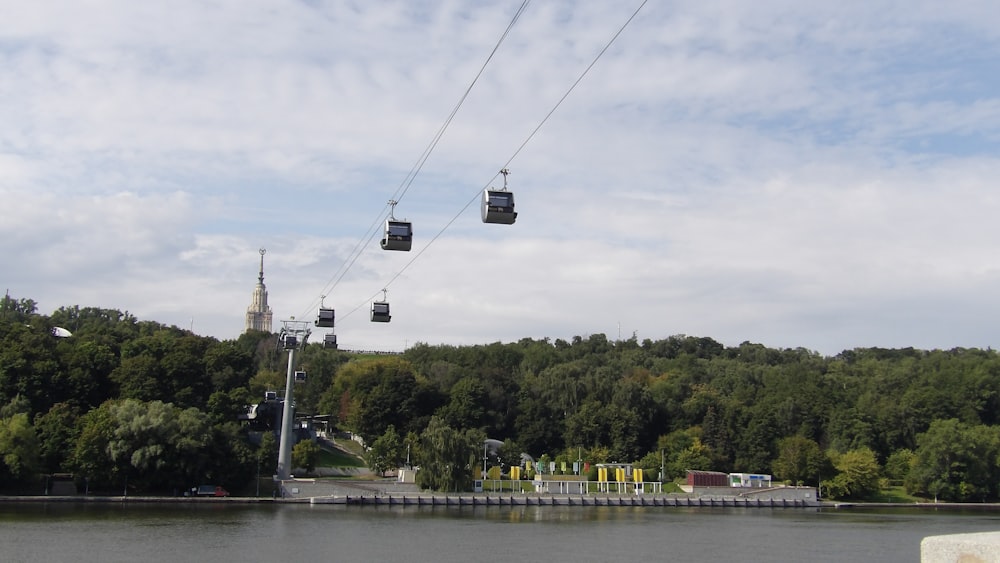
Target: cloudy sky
(798, 174)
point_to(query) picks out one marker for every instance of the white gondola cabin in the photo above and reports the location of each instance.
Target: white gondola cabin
(326, 318)
(300, 377)
(380, 312)
(398, 235)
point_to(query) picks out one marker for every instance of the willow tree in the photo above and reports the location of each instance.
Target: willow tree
(448, 456)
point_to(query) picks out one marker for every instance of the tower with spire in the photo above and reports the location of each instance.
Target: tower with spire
(258, 313)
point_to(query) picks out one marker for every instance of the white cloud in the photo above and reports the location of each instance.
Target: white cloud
(788, 173)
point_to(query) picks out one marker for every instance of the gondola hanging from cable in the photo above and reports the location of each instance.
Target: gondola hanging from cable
(398, 235)
(326, 319)
(330, 341)
(498, 205)
(380, 310)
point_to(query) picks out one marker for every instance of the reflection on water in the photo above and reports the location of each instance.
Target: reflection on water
(34, 532)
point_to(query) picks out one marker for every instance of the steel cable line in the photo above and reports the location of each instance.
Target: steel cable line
(427, 152)
(509, 160)
(404, 186)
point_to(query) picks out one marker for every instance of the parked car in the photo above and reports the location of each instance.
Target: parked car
(207, 491)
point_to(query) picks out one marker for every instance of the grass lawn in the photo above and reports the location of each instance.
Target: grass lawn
(338, 457)
(350, 446)
(672, 487)
(897, 495)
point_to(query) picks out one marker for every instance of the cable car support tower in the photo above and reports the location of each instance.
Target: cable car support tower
(293, 336)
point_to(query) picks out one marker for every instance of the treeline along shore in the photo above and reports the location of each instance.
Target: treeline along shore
(129, 405)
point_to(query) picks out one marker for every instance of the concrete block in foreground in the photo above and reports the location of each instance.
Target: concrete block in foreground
(983, 547)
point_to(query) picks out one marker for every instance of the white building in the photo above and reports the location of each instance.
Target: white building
(752, 480)
(258, 313)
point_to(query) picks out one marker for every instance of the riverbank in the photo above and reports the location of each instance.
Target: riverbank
(493, 499)
(426, 499)
(83, 499)
(983, 506)
(443, 499)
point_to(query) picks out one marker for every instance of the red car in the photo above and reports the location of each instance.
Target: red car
(209, 491)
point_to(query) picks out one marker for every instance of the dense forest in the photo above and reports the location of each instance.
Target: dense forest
(154, 408)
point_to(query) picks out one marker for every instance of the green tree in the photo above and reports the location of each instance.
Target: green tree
(267, 453)
(57, 433)
(509, 455)
(225, 406)
(370, 395)
(18, 405)
(697, 456)
(322, 365)
(140, 377)
(155, 446)
(467, 405)
(447, 457)
(20, 310)
(18, 449)
(232, 460)
(858, 476)
(537, 425)
(386, 451)
(28, 366)
(955, 462)
(228, 366)
(305, 454)
(651, 465)
(266, 380)
(90, 455)
(167, 365)
(898, 464)
(590, 425)
(632, 414)
(799, 460)
(85, 375)
(160, 446)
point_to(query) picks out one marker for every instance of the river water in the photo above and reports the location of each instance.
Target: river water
(53, 532)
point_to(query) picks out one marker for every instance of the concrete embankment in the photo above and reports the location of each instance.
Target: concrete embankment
(436, 499)
(423, 499)
(960, 548)
(969, 506)
(137, 499)
(322, 491)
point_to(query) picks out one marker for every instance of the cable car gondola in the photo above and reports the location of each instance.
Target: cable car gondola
(325, 318)
(330, 341)
(498, 205)
(380, 310)
(398, 234)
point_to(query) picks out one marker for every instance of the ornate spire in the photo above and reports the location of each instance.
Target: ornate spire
(258, 313)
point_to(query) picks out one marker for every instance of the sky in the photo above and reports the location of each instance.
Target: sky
(795, 174)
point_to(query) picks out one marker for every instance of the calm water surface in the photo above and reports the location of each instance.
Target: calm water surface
(230, 532)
